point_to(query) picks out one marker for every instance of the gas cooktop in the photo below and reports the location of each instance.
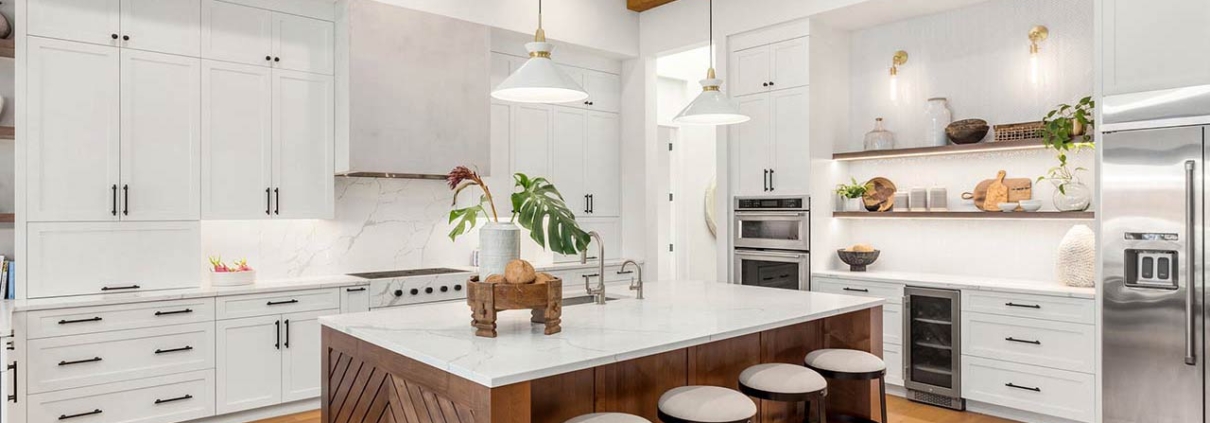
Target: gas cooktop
(390, 274)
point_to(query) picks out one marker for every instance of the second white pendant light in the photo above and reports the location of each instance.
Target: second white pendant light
(712, 106)
(539, 80)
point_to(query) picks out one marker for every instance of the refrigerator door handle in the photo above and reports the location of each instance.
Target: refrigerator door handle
(1190, 263)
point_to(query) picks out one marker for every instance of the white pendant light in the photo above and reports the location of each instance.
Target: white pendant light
(539, 80)
(711, 107)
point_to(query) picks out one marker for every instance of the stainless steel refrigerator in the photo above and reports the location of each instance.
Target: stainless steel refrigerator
(1152, 252)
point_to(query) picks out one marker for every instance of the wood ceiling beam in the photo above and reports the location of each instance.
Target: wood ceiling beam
(644, 5)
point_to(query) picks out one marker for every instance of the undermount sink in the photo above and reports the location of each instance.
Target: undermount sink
(574, 301)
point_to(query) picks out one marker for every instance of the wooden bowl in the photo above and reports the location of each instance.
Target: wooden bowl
(856, 260)
(881, 196)
(967, 131)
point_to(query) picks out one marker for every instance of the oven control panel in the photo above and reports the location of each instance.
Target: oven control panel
(773, 203)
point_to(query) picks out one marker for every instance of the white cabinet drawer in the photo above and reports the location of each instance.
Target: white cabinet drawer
(1058, 345)
(1052, 392)
(76, 321)
(1063, 309)
(84, 360)
(893, 293)
(892, 323)
(893, 357)
(172, 398)
(241, 306)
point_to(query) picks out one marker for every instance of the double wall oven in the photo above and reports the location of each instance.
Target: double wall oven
(773, 242)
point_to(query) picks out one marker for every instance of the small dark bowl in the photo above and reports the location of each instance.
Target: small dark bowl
(857, 261)
(967, 131)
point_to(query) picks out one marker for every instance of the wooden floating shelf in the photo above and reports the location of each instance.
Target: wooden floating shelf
(7, 218)
(8, 48)
(8, 133)
(941, 151)
(968, 215)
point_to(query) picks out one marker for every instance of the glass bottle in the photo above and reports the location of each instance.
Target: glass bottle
(879, 138)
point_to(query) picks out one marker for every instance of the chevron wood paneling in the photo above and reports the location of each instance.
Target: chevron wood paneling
(360, 392)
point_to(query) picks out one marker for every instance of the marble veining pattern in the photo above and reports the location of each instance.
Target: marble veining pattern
(676, 314)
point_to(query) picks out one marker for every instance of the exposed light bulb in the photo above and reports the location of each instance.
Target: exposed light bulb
(894, 87)
(1033, 67)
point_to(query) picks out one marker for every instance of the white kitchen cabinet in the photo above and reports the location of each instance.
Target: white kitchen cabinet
(80, 258)
(169, 398)
(610, 230)
(751, 71)
(604, 91)
(303, 44)
(248, 363)
(92, 21)
(166, 26)
(532, 137)
(753, 146)
(237, 33)
(161, 133)
(568, 158)
(237, 141)
(503, 65)
(773, 147)
(73, 131)
(355, 300)
(300, 355)
(585, 163)
(771, 67)
(602, 164)
(1159, 52)
(303, 143)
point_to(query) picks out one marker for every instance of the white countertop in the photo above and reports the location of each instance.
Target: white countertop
(934, 280)
(675, 315)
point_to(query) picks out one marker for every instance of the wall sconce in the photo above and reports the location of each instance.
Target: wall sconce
(899, 59)
(1037, 34)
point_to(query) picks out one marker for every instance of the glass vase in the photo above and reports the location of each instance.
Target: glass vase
(1071, 195)
(879, 138)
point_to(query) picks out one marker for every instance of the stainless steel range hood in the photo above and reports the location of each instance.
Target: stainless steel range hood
(417, 102)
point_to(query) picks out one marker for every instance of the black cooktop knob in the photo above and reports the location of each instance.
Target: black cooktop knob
(457, 287)
(415, 291)
(428, 290)
(398, 292)
(445, 289)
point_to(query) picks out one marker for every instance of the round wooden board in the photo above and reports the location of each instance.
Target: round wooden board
(881, 194)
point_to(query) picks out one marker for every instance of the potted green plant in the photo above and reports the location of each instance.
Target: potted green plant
(850, 195)
(1067, 130)
(537, 207)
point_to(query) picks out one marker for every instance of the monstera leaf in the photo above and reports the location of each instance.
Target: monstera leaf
(539, 208)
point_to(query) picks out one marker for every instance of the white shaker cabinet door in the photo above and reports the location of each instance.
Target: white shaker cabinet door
(602, 164)
(752, 73)
(166, 26)
(73, 131)
(1155, 45)
(532, 139)
(300, 355)
(248, 363)
(790, 134)
(161, 132)
(790, 64)
(303, 44)
(354, 299)
(604, 91)
(567, 158)
(237, 141)
(752, 144)
(303, 144)
(88, 258)
(236, 33)
(90, 21)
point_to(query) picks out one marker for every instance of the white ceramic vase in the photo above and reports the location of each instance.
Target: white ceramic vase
(499, 243)
(1076, 264)
(937, 118)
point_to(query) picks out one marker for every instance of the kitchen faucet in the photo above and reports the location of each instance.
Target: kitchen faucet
(634, 285)
(599, 292)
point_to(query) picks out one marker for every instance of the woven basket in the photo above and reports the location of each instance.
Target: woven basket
(1018, 131)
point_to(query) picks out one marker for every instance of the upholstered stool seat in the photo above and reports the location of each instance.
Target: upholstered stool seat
(786, 383)
(608, 418)
(705, 404)
(843, 364)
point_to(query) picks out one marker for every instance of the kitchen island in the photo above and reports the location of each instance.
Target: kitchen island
(424, 363)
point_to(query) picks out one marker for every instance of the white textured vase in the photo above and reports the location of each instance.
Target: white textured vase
(1076, 264)
(499, 243)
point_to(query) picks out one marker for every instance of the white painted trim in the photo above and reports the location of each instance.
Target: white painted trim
(769, 35)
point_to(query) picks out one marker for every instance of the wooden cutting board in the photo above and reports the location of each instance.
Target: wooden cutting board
(1018, 189)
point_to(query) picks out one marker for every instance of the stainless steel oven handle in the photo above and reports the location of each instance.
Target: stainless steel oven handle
(1190, 263)
(772, 213)
(768, 254)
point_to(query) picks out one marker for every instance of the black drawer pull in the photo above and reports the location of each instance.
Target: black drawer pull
(626, 272)
(90, 413)
(161, 401)
(119, 288)
(273, 303)
(184, 348)
(1023, 341)
(90, 360)
(856, 289)
(68, 322)
(13, 397)
(1023, 305)
(169, 313)
(594, 275)
(355, 289)
(1027, 388)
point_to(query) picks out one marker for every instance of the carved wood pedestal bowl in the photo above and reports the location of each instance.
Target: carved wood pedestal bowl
(544, 299)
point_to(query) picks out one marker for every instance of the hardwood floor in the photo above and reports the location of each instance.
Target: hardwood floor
(900, 411)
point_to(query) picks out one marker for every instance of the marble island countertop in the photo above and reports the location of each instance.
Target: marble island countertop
(674, 315)
(1019, 286)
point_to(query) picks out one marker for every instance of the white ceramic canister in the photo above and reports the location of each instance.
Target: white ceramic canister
(499, 243)
(937, 117)
(918, 198)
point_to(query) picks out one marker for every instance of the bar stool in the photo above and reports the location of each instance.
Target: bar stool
(786, 383)
(842, 364)
(608, 418)
(705, 404)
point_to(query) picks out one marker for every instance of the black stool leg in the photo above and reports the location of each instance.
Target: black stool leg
(823, 413)
(882, 396)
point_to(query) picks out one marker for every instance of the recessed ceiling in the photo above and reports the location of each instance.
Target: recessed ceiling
(643, 5)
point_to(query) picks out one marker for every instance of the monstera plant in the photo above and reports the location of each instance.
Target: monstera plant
(537, 207)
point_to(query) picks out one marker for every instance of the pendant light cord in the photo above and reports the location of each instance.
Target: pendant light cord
(540, 14)
(711, 33)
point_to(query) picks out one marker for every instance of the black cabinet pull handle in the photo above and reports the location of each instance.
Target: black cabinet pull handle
(89, 360)
(277, 325)
(594, 275)
(276, 59)
(161, 401)
(72, 416)
(268, 58)
(1027, 388)
(585, 203)
(268, 199)
(169, 313)
(772, 187)
(184, 348)
(125, 200)
(277, 207)
(119, 288)
(125, 38)
(856, 289)
(765, 180)
(273, 303)
(1035, 306)
(592, 204)
(770, 83)
(625, 272)
(68, 322)
(114, 36)
(13, 367)
(287, 343)
(114, 204)
(1023, 341)
(355, 289)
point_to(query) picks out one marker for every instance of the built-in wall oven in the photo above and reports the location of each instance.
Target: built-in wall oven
(773, 242)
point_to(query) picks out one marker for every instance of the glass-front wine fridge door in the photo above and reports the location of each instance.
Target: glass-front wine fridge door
(932, 363)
